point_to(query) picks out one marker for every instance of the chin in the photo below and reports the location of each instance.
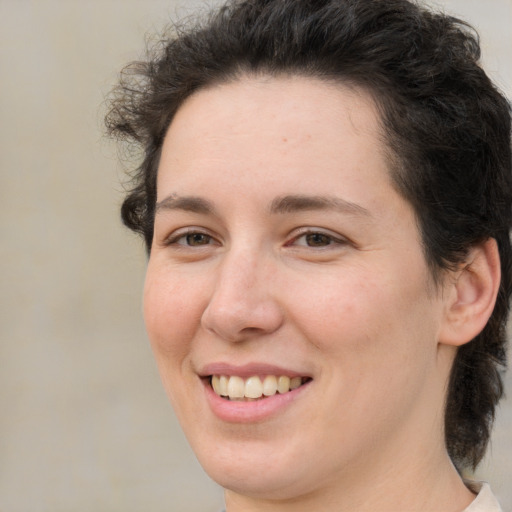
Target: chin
(269, 484)
(257, 471)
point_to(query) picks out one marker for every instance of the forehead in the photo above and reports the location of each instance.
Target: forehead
(297, 97)
(276, 122)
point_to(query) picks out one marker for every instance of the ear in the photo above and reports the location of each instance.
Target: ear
(471, 295)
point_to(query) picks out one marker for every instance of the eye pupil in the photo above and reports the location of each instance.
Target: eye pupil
(317, 239)
(197, 239)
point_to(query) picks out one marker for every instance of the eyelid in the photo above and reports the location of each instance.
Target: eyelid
(336, 238)
(307, 230)
(177, 234)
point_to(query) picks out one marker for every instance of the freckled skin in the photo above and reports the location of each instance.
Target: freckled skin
(356, 314)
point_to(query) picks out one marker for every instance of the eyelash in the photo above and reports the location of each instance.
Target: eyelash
(175, 238)
(329, 238)
(326, 239)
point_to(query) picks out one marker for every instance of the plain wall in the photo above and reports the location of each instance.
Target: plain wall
(84, 422)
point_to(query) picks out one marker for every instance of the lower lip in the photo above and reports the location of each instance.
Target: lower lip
(252, 411)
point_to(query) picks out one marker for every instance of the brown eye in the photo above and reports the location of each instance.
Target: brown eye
(314, 239)
(195, 239)
(318, 239)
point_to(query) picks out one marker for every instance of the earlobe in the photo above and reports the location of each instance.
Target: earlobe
(472, 295)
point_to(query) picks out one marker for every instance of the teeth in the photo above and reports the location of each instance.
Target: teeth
(216, 385)
(295, 382)
(253, 387)
(223, 385)
(283, 384)
(236, 388)
(269, 385)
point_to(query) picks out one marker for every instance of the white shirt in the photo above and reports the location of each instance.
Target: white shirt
(485, 500)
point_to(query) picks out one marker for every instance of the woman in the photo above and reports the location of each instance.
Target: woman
(325, 196)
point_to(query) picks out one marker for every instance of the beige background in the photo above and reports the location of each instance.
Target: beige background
(84, 423)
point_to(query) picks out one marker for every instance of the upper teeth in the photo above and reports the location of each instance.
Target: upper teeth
(237, 388)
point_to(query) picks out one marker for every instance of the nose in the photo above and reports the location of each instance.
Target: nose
(243, 304)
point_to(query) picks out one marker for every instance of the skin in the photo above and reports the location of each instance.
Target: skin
(352, 306)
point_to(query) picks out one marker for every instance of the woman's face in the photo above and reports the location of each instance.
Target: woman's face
(281, 249)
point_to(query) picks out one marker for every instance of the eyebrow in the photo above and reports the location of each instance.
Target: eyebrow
(187, 203)
(295, 203)
(280, 205)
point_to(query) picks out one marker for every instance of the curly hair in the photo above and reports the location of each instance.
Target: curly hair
(446, 125)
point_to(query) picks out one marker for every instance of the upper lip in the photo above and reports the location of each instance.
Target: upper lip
(248, 370)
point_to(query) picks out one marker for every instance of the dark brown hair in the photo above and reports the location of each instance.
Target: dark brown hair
(447, 126)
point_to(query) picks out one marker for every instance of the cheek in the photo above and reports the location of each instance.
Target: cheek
(338, 310)
(376, 339)
(367, 318)
(172, 312)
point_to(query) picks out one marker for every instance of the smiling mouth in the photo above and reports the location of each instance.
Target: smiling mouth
(233, 387)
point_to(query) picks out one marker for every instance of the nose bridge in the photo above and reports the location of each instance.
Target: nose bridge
(240, 268)
(243, 302)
